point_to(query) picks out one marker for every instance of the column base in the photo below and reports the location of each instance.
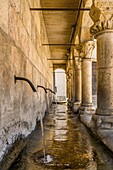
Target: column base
(103, 121)
(86, 108)
(76, 106)
(102, 127)
(69, 103)
(86, 111)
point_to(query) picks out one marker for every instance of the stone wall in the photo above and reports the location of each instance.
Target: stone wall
(22, 33)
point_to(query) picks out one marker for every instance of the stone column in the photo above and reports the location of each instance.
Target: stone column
(77, 84)
(78, 79)
(71, 74)
(69, 78)
(86, 53)
(54, 84)
(67, 87)
(72, 87)
(102, 15)
(74, 83)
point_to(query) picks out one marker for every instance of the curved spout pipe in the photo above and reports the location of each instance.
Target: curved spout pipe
(42, 88)
(50, 91)
(27, 80)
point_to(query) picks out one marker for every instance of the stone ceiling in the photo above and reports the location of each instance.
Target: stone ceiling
(60, 25)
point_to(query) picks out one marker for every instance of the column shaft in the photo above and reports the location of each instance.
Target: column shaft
(86, 82)
(78, 85)
(105, 73)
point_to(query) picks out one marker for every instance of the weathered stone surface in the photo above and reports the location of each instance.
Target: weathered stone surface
(102, 15)
(20, 42)
(75, 107)
(4, 15)
(78, 79)
(105, 71)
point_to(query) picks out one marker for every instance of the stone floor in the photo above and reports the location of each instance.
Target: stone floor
(66, 144)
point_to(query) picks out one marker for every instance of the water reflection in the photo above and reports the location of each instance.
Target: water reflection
(60, 133)
(68, 146)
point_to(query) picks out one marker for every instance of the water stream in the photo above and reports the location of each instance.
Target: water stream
(43, 137)
(63, 143)
(45, 158)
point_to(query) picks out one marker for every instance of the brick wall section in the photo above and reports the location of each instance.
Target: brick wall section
(22, 33)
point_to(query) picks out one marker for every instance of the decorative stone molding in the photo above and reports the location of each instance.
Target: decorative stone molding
(102, 15)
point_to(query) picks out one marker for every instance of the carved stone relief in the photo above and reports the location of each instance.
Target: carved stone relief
(85, 49)
(102, 15)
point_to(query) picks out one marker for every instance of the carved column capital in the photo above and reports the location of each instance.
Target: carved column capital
(78, 49)
(101, 13)
(69, 73)
(87, 49)
(77, 63)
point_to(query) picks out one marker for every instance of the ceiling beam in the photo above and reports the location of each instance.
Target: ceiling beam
(56, 59)
(59, 59)
(60, 44)
(74, 29)
(60, 9)
(59, 72)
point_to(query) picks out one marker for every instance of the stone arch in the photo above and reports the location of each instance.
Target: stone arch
(59, 66)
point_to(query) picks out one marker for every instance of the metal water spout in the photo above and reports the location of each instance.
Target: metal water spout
(42, 88)
(50, 90)
(27, 80)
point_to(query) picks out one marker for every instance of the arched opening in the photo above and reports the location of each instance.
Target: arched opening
(60, 84)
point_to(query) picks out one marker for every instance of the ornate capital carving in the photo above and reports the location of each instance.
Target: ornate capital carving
(78, 49)
(69, 73)
(77, 57)
(102, 15)
(87, 49)
(77, 63)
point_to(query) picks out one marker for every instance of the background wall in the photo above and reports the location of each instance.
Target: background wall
(60, 83)
(22, 33)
